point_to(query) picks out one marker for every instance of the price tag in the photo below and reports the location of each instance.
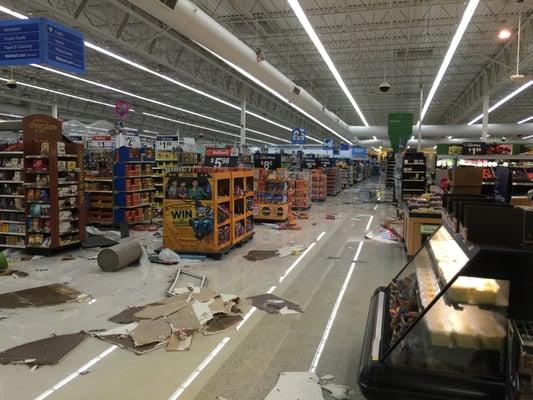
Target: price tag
(129, 139)
(310, 163)
(166, 143)
(103, 142)
(267, 161)
(219, 162)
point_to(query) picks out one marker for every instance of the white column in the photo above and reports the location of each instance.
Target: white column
(419, 146)
(485, 127)
(243, 121)
(54, 110)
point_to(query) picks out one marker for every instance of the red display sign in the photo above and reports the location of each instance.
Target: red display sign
(220, 152)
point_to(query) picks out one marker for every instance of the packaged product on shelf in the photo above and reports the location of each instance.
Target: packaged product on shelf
(300, 190)
(319, 188)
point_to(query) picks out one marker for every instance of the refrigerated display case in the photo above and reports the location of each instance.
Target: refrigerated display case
(439, 329)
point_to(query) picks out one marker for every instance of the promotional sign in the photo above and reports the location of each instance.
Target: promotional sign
(310, 163)
(166, 143)
(499, 149)
(359, 151)
(221, 161)
(122, 109)
(41, 41)
(104, 142)
(221, 152)
(298, 136)
(267, 161)
(327, 144)
(128, 139)
(474, 148)
(327, 162)
(344, 147)
(400, 129)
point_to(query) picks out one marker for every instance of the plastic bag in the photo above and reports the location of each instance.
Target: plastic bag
(169, 256)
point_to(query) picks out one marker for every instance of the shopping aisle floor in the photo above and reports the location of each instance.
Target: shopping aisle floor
(235, 365)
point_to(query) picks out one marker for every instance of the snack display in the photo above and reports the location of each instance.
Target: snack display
(319, 185)
(299, 190)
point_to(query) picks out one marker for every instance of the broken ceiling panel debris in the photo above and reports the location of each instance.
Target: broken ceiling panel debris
(257, 255)
(150, 331)
(274, 305)
(296, 386)
(47, 351)
(48, 295)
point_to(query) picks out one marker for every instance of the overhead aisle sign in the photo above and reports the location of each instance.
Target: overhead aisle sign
(298, 136)
(41, 41)
(327, 144)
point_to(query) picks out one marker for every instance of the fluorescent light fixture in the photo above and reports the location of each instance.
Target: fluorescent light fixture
(300, 14)
(504, 34)
(450, 137)
(203, 127)
(276, 94)
(527, 137)
(12, 13)
(157, 102)
(519, 122)
(503, 101)
(434, 147)
(11, 115)
(60, 93)
(465, 20)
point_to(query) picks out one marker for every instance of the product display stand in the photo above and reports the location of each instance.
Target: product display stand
(300, 190)
(99, 165)
(271, 201)
(413, 182)
(166, 157)
(334, 181)
(390, 165)
(133, 185)
(55, 208)
(12, 197)
(319, 188)
(207, 210)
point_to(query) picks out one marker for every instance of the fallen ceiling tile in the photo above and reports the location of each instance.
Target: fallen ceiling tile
(126, 342)
(184, 319)
(338, 392)
(217, 306)
(121, 330)
(162, 310)
(127, 316)
(221, 323)
(14, 272)
(273, 304)
(258, 255)
(296, 386)
(290, 251)
(180, 341)
(47, 351)
(202, 312)
(150, 331)
(48, 295)
(204, 294)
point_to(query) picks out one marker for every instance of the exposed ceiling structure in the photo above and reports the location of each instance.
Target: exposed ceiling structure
(400, 41)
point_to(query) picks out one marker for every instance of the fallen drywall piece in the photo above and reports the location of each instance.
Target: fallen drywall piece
(296, 386)
(184, 319)
(121, 330)
(221, 323)
(204, 294)
(126, 342)
(47, 351)
(180, 341)
(202, 312)
(273, 304)
(162, 310)
(127, 316)
(48, 295)
(150, 331)
(13, 272)
(258, 255)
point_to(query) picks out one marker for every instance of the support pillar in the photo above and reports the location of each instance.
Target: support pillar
(243, 122)
(54, 110)
(485, 126)
(419, 145)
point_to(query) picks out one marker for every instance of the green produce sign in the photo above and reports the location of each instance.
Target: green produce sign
(400, 129)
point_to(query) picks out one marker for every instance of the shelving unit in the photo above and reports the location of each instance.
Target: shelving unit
(390, 165)
(12, 198)
(133, 185)
(319, 185)
(300, 190)
(334, 181)
(413, 175)
(99, 161)
(166, 161)
(271, 188)
(243, 205)
(55, 212)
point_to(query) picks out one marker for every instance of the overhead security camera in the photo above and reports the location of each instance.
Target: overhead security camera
(11, 84)
(384, 87)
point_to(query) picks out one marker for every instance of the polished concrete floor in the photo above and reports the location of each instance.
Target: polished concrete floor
(235, 365)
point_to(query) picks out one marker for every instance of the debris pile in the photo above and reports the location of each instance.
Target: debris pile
(47, 295)
(307, 385)
(173, 321)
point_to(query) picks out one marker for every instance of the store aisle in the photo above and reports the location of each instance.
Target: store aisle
(238, 364)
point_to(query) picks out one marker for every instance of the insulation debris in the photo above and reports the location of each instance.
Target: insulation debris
(47, 351)
(290, 251)
(258, 255)
(384, 234)
(48, 295)
(296, 386)
(274, 305)
(173, 321)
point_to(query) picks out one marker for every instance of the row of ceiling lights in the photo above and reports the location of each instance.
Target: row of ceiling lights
(467, 16)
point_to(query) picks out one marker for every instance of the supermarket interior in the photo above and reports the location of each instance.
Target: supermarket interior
(266, 200)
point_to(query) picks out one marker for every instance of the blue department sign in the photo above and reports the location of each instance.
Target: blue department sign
(41, 41)
(298, 136)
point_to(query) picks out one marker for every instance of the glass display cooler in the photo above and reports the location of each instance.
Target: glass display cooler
(440, 329)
